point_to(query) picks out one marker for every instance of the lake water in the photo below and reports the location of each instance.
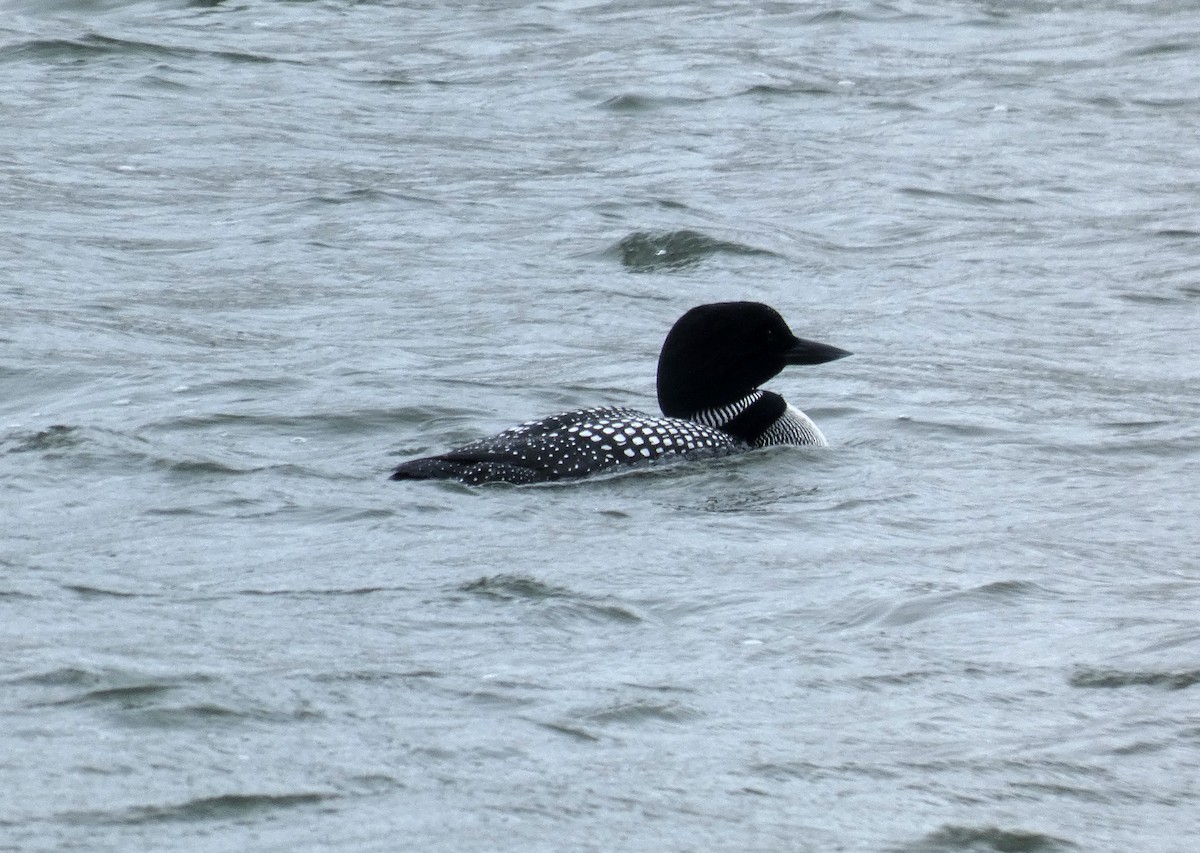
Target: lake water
(253, 254)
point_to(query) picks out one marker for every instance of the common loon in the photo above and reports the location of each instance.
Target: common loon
(712, 362)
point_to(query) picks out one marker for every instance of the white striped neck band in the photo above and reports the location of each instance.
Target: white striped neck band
(722, 415)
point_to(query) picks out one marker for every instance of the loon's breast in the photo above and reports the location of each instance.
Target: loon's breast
(572, 444)
(793, 427)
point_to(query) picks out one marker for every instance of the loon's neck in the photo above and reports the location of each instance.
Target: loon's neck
(763, 418)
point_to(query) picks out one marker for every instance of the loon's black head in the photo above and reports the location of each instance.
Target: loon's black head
(717, 354)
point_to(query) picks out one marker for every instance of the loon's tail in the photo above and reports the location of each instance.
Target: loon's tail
(429, 468)
(473, 472)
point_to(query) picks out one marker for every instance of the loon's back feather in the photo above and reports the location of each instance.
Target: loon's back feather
(571, 444)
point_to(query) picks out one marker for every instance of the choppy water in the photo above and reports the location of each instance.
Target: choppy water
(253, 253)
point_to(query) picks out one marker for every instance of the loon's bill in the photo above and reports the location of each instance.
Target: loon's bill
(712, 363)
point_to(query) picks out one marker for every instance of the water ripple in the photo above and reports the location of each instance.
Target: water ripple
(94, 46)
(1088, 677)
(518, 588)
(950, 839)
(224, 807)
(646, 252)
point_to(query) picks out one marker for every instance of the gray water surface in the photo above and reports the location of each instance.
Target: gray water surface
(252, 254)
